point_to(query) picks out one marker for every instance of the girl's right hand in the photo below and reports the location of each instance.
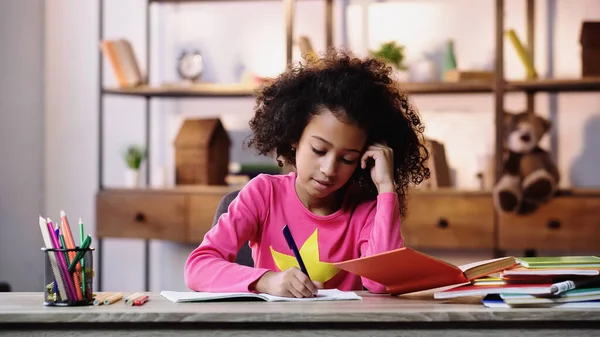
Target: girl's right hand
(288, 283)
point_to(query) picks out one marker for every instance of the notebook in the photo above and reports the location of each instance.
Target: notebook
(574, 295)
(560, 262)
(495, 301)
(478, 290)
(406, 270)
(523, 271)
(193, 296)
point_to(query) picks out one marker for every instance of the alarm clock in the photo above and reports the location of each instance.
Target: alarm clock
(190, 65)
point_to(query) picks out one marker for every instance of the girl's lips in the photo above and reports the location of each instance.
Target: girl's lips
(322, 185)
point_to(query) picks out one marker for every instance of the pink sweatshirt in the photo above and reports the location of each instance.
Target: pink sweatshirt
(258, 214)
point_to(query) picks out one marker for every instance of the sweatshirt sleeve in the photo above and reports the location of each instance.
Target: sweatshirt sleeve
(211, 266)
(381, 232)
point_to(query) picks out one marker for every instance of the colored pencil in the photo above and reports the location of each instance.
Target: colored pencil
(58, 278)
(132, 296)
(70, 244)
(113, 298)
(62, 265)
(81, 239)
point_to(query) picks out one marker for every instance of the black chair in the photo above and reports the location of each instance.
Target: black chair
(244, 256)
(4, 287)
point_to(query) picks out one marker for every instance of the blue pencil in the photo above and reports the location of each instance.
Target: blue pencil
(292, 244)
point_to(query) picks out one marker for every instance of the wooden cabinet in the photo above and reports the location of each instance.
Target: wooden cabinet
(567, 223)
(440, 219)
(449, 219)
(179, 215)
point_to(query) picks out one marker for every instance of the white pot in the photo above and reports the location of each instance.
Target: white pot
(132, 178)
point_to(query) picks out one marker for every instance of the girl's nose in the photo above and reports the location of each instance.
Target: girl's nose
(329, 166)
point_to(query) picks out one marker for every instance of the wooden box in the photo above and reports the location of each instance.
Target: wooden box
(202, 153)
(590, 48)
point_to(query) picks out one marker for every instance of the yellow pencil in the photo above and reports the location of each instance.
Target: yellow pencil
(99, 299)
(113, 298)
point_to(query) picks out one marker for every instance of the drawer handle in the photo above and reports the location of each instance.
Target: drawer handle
(140, 217)
(553, 224)
(443, 223)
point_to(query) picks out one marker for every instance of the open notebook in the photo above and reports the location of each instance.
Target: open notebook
(192, 296)
(406, 270)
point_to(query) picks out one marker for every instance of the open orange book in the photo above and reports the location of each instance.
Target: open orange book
(406, 270)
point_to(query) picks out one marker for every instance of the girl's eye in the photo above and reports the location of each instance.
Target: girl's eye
(319, 152)
(346, 161)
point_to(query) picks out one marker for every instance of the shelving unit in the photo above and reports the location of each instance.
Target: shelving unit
(146, 92)
(460, 215)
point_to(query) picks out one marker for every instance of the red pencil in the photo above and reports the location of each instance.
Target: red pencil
(140, 301)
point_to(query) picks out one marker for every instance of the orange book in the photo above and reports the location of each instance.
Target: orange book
(406, 270)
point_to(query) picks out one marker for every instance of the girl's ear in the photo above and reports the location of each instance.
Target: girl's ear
(294, 146)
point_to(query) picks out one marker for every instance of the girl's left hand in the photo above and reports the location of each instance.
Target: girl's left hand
(382, 172)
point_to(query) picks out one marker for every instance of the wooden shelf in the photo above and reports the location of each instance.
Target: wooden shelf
(178, 1)
(195, 90)
(240, 90)
(447, 87)
(556, 85)
(187, 189)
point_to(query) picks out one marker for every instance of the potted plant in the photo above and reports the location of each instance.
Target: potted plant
(133, 158)
(393, 54)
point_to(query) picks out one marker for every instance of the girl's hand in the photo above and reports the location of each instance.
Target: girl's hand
(382, 172)
(288, 283)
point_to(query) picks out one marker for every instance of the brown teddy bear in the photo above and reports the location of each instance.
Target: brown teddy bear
(529, 177)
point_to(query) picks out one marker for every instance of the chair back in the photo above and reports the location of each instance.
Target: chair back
(244, 256)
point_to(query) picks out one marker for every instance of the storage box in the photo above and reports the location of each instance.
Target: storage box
(202, 153)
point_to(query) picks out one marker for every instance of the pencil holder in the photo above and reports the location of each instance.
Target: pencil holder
(68, 276)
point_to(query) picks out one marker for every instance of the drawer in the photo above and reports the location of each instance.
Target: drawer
(142, 214)
(202, 212)
(566, 223)
(449, 220)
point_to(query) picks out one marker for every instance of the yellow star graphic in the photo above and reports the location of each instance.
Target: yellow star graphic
(317, 270)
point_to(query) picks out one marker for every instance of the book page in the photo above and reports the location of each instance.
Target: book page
(472, 265)
(194, 296)
(322, 295)
(198, 296)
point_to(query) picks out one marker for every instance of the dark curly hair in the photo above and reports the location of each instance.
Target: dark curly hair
(360, 90)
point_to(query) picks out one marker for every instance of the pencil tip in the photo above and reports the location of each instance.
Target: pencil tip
(62, 213)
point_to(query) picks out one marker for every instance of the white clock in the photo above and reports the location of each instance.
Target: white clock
(190, 65)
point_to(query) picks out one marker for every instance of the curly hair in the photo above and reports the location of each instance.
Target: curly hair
(360, 90)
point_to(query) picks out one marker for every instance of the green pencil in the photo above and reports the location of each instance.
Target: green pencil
(61, 238)
(81, 253)
(81, 240)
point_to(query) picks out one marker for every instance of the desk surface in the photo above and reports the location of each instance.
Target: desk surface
(29, 308)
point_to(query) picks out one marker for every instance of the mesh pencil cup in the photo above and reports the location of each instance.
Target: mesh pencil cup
(68, 276)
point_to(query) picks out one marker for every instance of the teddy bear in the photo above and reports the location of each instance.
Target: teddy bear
(529, 177)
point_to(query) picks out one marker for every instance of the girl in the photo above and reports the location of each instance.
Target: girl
(356, 146)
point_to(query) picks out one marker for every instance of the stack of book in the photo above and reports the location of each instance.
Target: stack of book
(567, 281)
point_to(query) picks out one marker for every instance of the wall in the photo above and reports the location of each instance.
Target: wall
(21, 124)
(71, 110)
(258, 36)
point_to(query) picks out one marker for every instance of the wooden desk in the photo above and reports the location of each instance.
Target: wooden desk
(24, 314)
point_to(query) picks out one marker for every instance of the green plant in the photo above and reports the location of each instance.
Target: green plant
(392, 53)
(134, 156)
